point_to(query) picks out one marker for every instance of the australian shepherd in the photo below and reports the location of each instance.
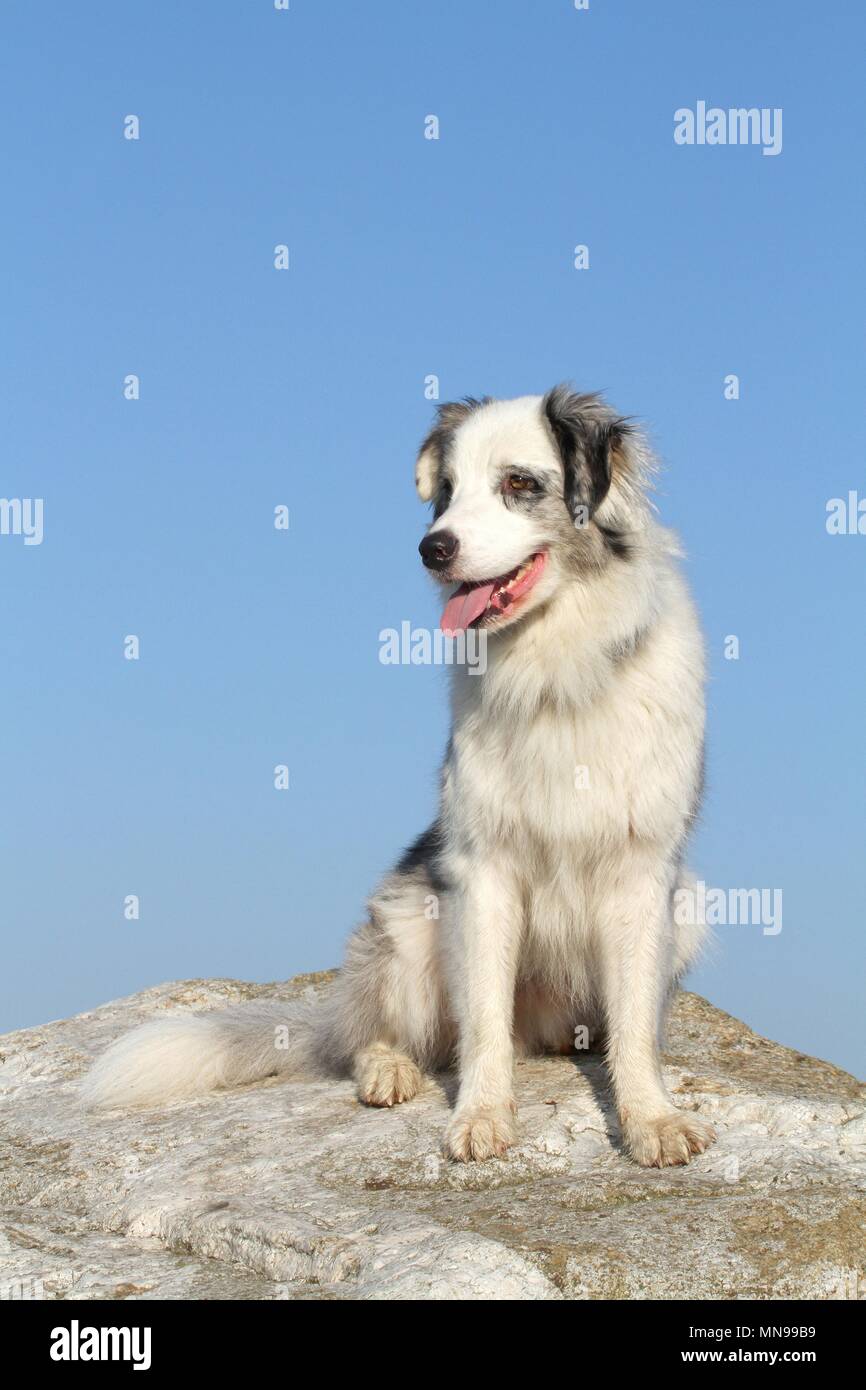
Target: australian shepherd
(537, 910)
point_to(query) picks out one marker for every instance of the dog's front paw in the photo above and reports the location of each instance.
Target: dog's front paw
(667, 1140)
(481, 1132)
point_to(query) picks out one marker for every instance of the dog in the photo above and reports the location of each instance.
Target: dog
(572, 777)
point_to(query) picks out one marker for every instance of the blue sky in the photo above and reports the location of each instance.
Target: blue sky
(409, 257)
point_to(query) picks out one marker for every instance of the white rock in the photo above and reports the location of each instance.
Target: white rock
(293, 1190)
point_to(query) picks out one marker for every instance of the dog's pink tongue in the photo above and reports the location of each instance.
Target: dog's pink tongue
(464, 606)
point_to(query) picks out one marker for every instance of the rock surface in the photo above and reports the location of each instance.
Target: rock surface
(292, 1190)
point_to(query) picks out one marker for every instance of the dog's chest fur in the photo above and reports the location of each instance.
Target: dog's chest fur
(578, 749)
(580, 767)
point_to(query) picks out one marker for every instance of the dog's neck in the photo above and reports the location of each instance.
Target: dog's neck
(565, 654)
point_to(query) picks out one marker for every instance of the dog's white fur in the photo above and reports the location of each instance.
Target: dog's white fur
(554, 898)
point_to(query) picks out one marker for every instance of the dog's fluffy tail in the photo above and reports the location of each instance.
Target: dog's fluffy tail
(190, 1054)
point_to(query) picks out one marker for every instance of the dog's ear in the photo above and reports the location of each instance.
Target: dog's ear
(431, 455)
(589, 439)
(427, 467)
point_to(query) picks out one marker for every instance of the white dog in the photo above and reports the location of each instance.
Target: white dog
(571, 780)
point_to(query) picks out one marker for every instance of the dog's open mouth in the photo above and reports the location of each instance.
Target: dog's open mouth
(473, 603)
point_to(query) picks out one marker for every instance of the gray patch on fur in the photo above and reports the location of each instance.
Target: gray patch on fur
(425, 854)
(626, 647)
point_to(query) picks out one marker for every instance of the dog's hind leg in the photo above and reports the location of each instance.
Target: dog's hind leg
(385, 1076)
(387, 1018)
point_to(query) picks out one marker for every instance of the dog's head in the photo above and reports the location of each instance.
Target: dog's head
(527, 494)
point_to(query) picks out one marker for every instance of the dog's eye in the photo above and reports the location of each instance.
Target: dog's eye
(520, 482)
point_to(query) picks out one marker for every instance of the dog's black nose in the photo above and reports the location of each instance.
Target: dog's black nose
(438, 550)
